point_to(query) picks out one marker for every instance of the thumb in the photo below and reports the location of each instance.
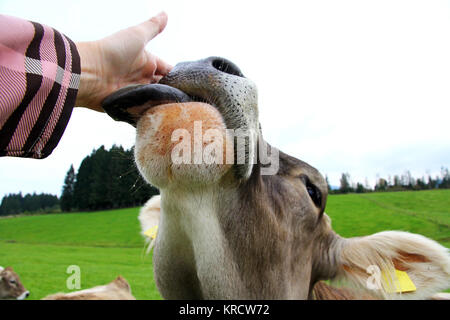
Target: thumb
(152, 27)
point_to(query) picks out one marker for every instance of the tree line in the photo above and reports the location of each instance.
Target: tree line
(16, 203)
(106, 179)
(109, 179)
(404, 182)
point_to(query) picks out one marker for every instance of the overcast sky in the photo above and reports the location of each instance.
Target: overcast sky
(347, 86)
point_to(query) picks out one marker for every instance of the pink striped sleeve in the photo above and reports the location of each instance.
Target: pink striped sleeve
(39, 79)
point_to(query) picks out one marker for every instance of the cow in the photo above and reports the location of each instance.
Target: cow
(118, 289)
(253, 227)
(10, 285)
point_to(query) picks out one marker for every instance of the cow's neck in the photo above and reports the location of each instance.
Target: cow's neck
(192, 246)
(216, 243)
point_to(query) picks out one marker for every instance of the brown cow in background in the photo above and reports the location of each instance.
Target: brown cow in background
(10, 285)
(118, 289)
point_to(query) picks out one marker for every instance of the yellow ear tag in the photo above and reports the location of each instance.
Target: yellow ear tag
(401, 283)
(151, 233)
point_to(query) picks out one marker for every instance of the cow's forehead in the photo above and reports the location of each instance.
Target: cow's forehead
(9, 274)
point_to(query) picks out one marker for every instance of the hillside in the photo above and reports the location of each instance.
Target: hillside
(424, 212)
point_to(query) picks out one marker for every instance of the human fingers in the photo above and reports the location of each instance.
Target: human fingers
(162, 67)
(152, 27)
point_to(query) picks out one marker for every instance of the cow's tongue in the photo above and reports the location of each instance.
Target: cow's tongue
(129, 103)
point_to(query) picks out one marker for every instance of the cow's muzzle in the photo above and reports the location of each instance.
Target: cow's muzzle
(129, 103)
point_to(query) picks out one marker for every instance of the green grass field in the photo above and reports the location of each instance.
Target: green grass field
(107, 243)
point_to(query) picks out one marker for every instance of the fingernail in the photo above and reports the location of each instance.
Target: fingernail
(162, 13)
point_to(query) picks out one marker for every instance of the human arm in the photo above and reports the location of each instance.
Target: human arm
(43, 75)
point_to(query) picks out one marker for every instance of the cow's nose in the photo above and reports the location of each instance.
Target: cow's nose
(184, 74)
(27, 294)
(225, 65)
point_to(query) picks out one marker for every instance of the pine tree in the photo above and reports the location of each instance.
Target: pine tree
(67, 202)
(345, 183)
(328, 183)
(359, 188)
(82, 189)
(445, 178)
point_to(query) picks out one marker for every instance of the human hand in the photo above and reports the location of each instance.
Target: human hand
(119, 60)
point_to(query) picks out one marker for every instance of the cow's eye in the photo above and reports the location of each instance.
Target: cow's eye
(314, 193)
(12, 281)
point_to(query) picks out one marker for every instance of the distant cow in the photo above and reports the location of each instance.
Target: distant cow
(10, 285)
(118, 289)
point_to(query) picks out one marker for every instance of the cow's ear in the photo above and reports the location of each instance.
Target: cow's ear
(394, 265)
(149, 218)
(121, 282)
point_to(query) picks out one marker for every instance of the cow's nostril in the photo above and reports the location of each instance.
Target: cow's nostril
(227, 67)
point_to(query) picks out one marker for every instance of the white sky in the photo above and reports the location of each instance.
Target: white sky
(348, 86)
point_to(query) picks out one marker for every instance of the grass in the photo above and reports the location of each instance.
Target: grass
(423, 212)
(42, 268)
(103, 244)
(107, 243)
(114, 228)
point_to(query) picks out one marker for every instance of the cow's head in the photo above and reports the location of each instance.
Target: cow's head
(272, 222)
(10, 285)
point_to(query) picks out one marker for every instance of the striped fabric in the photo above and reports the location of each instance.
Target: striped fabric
(39, 79)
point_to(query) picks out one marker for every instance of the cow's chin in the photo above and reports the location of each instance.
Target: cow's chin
(181, 144)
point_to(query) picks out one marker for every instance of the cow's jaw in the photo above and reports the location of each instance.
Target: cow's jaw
(24, 295)
(172, 145)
